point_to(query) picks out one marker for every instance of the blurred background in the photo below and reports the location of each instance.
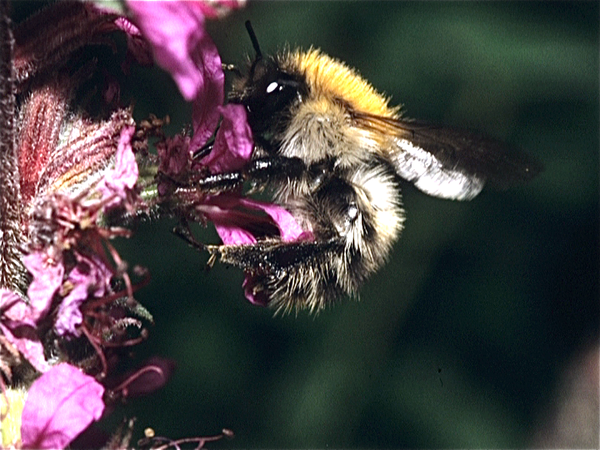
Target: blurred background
(482, 331)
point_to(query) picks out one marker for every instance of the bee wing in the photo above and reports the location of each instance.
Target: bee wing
(452, 163)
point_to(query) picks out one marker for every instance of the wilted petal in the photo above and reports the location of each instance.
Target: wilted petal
(174, 155)
(233, 143)
(60, 405)
(126, 169)
(47, 278)
(15, 310)
(89, 277)
(26, 340)
(122, 178)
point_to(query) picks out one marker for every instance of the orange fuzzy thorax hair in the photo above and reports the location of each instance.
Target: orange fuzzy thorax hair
(328, 77)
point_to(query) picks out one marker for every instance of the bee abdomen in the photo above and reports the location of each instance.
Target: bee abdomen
(355, 219)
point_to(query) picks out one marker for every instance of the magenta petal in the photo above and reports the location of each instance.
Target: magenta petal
(28, 343)
(14, 310)
(126, 169)
(289, 229)
(233, 219)
(89, 278)
(210, 93)
(47, 278)
(258, 298)
(227, 221)
(122, 178)
(233, 235)
(17, 325)
(59, 406)
(233, 143)
(176, 32)
(69, 315)
(233, 228)
(183, 48)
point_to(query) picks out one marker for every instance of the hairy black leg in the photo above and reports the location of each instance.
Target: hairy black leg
(288, 275)
(272, 256)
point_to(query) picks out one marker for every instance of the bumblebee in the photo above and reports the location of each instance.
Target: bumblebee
(333, 152)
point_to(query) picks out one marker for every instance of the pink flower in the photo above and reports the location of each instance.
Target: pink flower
(17, 322)
(27, 342)
(181, 44)
(182, 47)
(232, 215)
(90, 277)
(236, 219)
(233, 143)
(60, 405)
(47, 278)
(14, 309)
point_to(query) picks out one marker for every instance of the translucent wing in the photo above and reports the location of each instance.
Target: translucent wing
(448, 162)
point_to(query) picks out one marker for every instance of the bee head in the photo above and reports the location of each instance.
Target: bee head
(268, 92)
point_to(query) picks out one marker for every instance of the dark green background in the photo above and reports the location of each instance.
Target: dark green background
(460, 340)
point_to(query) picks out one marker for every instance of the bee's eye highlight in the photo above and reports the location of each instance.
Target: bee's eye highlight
(272, 86)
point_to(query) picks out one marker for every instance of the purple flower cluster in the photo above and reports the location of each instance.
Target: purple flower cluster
(80, 178)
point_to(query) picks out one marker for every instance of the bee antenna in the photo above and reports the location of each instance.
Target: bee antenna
(253, 39)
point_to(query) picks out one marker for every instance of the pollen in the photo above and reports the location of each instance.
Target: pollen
(333, 80)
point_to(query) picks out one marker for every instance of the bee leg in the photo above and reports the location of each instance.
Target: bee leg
(220, 182)
(183, 231)
(275, 169)
(290, 275)
(259, 171)
(270, 256)
(203, 151)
